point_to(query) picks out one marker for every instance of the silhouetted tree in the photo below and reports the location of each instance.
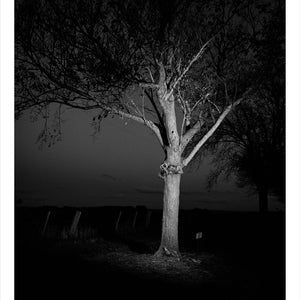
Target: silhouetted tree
(251, 143)
(148, 61)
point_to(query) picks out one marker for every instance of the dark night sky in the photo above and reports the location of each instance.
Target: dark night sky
(120, 167)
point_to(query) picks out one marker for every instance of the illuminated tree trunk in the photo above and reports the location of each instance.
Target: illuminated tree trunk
(169, 238)
(171, 171)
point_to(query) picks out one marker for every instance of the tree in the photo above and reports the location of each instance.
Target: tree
(254, 155)
(251, 142)
(143, 60)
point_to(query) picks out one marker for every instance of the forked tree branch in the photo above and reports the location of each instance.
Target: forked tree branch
(187, 68)
(138, 119)
(189, 134)
(151, 125)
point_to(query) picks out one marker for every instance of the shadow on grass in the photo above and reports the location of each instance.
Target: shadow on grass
(111, 269)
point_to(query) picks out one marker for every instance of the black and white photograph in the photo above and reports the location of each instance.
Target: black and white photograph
(149, 153)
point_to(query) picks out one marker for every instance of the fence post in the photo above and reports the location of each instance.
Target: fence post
(118, 221)
(75, 222)
(199, 236)
(149, 213)
(134, 220)
(46, 222)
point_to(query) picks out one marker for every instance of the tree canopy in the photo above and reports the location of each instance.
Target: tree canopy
(251, 142)
(113, 57)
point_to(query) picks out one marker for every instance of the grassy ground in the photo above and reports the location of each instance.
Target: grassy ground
(125, 266)
(241, 257)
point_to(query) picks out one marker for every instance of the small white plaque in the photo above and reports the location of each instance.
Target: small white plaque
(198, 235)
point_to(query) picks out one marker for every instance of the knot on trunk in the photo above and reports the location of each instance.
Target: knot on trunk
(166, 169)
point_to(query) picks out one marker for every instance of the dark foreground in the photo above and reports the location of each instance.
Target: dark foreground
(242, 265)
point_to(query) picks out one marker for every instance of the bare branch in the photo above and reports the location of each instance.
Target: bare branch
(141, 120)
(149, 85)
(192, 61)
(189, 134)
(150, 73)
(195, 105)
(150, 97)
(210, 132)
(216, 107)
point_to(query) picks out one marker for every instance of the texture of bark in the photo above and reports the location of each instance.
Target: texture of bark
(169, 240)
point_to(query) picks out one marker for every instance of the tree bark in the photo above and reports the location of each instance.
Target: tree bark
(263, 199)
(171, 175)
(169, 240)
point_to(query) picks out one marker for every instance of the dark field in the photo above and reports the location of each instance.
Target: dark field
(241, 255)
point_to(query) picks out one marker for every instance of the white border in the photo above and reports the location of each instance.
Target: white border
(292, 154)
(7, 150)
